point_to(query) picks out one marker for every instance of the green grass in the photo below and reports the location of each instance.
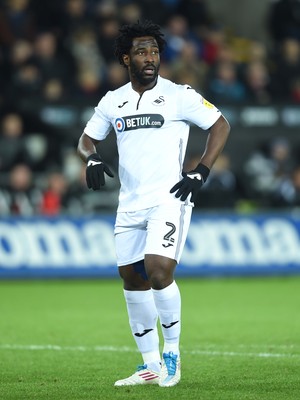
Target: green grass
(71, 340)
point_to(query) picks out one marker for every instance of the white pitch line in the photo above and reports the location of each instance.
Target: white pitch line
(55, 347)
(124, 349)
(238, 354)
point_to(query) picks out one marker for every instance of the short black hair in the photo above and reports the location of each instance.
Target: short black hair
(127, 33)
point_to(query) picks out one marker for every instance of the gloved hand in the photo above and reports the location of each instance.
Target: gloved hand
(95, 172)
(191, 183)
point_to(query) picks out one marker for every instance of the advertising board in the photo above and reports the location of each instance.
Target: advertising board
(220, 244)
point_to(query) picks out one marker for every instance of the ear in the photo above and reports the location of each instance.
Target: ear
(126, 59)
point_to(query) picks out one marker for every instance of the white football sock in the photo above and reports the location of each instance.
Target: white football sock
(143, 322)
(168, 305)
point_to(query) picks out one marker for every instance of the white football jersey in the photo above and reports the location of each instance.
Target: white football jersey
(152, 132)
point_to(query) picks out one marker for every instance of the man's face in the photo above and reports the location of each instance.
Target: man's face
(144, 60)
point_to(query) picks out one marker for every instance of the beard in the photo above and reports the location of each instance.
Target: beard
(140, 75)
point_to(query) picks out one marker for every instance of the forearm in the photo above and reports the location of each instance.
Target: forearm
(216, 141)
(86, 147)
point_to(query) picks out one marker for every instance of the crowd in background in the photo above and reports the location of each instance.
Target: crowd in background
(62, 52)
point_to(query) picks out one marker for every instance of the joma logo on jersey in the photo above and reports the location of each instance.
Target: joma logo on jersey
(139, 121)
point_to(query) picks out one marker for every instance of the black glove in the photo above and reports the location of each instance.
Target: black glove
(191, 183)
(95, 172)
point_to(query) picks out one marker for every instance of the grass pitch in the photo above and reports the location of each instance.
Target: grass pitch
(62, 340)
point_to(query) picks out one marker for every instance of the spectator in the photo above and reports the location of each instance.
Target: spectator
(257, 51)
(284, 20)
(18, 146)
(288, 192)
(115, 76)
(187, 68)
(267, 168)
(71, 165)
(26, 82)
(255, 73)
(130, 11)
(75, 16)
(165, 7)
(107, 31)
(197, 14)
(295, 90)
(53, 91)
(85, 51)
(88, 86)
(17, 21)
(51, 62)
(257, 82)
(48, 15)
(177, 35)
(12, 149)
(222, 178)
(20, 196)
(106, 9)
(20, 52)
(4, 80)
(225, 85)
(221, 188)
(82, 201)
(215, 47)
(57, 55)
(286, 70)
(53, 198)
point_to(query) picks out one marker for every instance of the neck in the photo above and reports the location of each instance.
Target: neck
(140, 89)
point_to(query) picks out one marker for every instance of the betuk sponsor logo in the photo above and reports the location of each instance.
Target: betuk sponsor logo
(139, 121)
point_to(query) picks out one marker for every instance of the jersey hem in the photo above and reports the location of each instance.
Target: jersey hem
(126, 263)
(121, 209)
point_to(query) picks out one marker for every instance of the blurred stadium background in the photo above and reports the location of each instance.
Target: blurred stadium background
(56, 61)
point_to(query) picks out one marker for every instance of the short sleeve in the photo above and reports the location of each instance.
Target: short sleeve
(196, 109)
(99, 126)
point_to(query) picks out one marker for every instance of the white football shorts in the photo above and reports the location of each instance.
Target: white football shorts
(160, 230)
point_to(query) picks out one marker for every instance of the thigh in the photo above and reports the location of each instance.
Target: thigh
(167, 230)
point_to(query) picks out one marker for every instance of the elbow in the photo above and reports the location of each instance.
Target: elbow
(80, 147)
(226, 126)
(224, 129)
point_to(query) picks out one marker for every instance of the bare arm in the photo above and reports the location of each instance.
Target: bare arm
(86, 146)
(96, 168)
(192, 181)
(215, 143)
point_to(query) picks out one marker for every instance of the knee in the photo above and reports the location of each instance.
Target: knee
(160, 279)
(160, 271)
(134, 278)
